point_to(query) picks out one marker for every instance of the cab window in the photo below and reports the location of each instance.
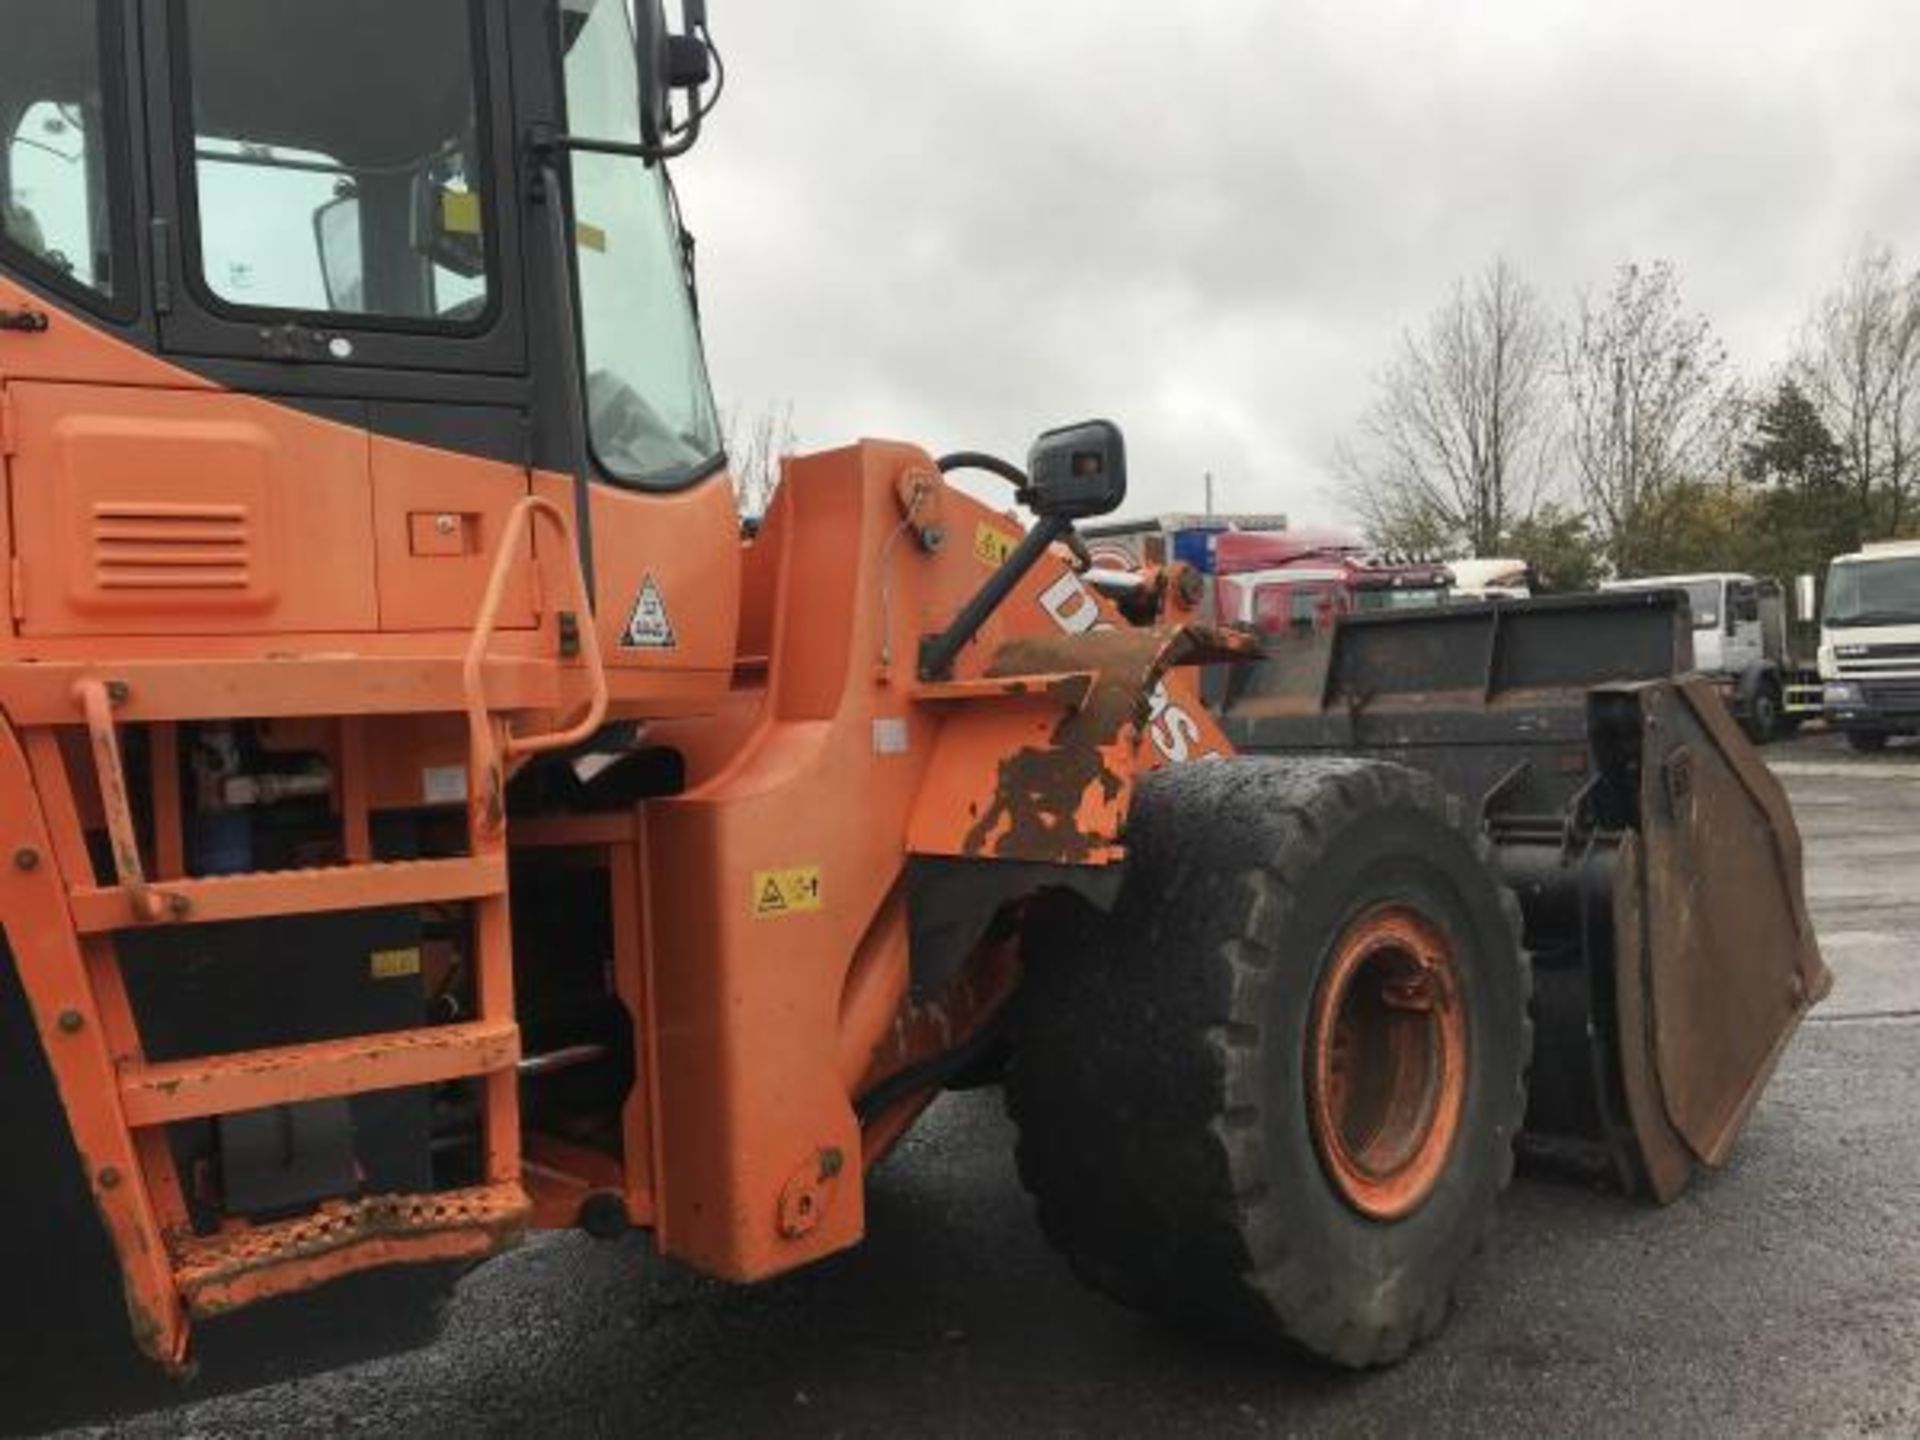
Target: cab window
(59, 195)
(1703, 600)
(336, 161)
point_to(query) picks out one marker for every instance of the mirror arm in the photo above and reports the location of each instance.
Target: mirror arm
(546, 143)
(938, 652)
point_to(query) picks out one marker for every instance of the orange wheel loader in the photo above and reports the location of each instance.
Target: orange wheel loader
(426, 816)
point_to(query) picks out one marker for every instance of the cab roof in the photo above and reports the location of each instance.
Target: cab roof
(1659, 582)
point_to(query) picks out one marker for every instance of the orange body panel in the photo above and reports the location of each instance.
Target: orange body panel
(769, 1015)
(287, 535)
(357, 593)
(687, 544)
(169, 512)
(79, 354)
(437, 521)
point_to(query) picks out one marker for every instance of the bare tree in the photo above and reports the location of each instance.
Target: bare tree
(1859, 362)
(1650, 408)
(1455, 445)
(755, 448)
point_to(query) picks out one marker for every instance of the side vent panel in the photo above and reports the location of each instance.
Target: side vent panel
(171, 547)
(182, 512)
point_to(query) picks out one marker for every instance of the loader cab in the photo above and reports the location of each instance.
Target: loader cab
(326, 271)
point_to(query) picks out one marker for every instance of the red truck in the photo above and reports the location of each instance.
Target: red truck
(1254, 570)
(1300, 580)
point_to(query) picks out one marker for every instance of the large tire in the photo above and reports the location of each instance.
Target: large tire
(1170, 1077)
(1763, 714)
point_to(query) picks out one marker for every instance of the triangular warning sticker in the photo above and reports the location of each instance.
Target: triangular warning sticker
(649, 628)
(771, 900)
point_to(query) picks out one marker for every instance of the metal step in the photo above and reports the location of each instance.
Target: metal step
(219, 1273)
(160, 1094)
(102, 909)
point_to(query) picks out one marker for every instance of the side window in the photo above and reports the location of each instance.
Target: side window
(260, 223)
(317, 196)
(56, 204)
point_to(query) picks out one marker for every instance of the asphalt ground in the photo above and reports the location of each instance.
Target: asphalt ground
(1778, 1297)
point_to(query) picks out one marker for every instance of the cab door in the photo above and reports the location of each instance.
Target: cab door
(142, 499)
(330, 241)
(325, 198)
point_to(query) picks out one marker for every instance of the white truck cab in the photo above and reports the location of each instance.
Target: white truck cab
(1492, 579)
(1870, 643)
(1739, 641)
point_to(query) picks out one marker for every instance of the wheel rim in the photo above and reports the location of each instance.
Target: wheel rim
(1387, 1062)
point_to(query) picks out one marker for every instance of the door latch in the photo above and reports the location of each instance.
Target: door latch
(24, 322)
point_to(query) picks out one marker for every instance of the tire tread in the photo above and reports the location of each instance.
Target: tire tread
(1160, 1192)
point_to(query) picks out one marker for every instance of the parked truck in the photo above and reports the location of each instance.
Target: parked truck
(1302, 582)
(1743, 642)
(1870, 643)
(1252, 571)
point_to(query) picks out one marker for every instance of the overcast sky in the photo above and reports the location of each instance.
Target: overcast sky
(961, 222)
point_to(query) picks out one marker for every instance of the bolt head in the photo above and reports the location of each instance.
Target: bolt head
(26, 858)
(72, 1021)
(109, 1177)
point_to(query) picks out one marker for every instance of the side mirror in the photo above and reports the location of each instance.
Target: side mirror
(1806, 599)
(1072, 474)
(336, 234)
(1078, 472)
(666, 62)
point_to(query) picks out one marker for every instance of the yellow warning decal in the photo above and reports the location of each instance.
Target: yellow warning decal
(394, 964)
(786, 892)
(590, 237)
(460, 212)
(991, 547)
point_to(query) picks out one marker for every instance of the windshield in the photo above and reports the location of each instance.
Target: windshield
(650, 411)
(1874, 592)
(1703, 597)
(1424, 598)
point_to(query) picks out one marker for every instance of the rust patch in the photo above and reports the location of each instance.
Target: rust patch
(228, 1272)
(921, 1030)
(1044, 794)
